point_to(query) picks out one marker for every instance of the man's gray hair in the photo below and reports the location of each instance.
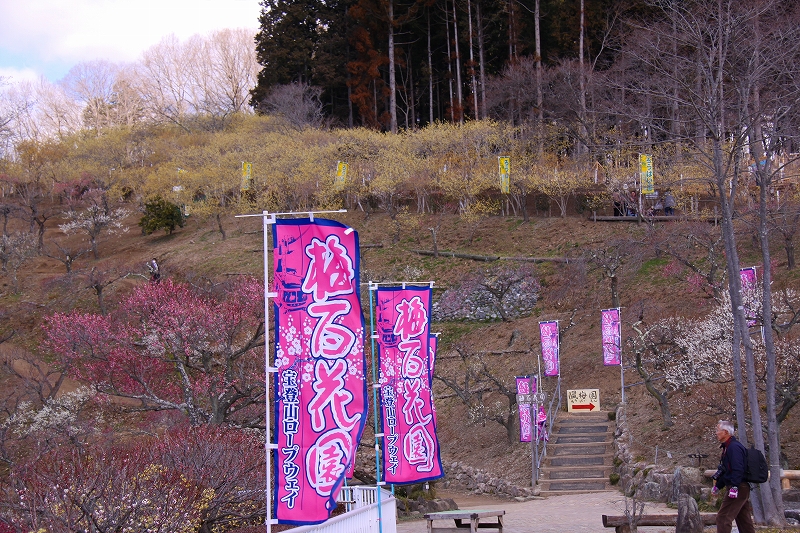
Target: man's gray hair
(726, 426)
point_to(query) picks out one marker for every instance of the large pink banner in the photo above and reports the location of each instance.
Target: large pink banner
(548, 332)
(321, 393)
(410, 446)
(525, 423)
(612, 336)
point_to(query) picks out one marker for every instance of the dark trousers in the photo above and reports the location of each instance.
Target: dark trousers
(738, 509)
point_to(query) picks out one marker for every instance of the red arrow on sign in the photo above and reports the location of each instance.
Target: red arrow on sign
(588, 406)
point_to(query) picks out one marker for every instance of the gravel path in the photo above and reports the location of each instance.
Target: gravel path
(554, 514)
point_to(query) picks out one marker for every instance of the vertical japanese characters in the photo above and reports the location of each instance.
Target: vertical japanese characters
(525, 422)
(612, 336)
(411, 449)
(321, 398)
(550, 347)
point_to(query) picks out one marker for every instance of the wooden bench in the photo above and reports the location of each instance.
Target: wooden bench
(473, 515)
(620, 523)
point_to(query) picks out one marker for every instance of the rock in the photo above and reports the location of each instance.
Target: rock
(791, 495)
(689, 520)
(794, 514)
(676, 485)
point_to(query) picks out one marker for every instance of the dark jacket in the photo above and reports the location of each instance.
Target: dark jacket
(732, 464)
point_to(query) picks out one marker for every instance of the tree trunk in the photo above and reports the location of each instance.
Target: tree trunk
(481, 57)
(459, 87)
(473, 79)
(430, 72)
(539, 93)
(788, 244)
(221, 229)
(392, 79)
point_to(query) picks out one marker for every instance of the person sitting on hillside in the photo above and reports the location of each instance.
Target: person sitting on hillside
(669, 204)
(155, 271)
(619, 203)
(631, 205)
(730, 473)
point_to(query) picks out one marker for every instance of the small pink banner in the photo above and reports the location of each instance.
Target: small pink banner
(749, 278)
(410, 446)
(550, 347)
(321, 393)
(525, 423)
(433, 341)
(612, 336)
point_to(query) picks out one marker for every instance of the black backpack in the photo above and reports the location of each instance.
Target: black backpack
(757, 469)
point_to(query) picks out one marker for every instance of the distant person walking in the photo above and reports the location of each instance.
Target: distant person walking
(155, 271)
(669, 204)
(730, 473)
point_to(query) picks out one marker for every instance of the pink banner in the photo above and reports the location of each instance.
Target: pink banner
(321, 393)
(410, 446)
(433, 341)
(525, 423)
(612, 336)
(749, 279)
(548, 332)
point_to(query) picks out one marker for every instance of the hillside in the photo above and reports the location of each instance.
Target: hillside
(570, 293)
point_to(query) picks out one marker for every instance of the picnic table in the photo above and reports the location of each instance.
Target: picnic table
(459, 516)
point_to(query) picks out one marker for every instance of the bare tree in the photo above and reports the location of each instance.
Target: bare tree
(298, 103)
(92, 83)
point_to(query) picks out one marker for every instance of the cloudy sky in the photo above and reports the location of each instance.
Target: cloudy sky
(48, 37)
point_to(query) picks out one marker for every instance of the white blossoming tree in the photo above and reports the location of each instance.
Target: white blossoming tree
(94, 220)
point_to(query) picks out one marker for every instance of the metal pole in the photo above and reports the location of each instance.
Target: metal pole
(375, 386)
(621, 365)
(270, 370)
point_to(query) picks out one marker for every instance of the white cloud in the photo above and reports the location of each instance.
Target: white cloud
(42, 33)
(12, 76)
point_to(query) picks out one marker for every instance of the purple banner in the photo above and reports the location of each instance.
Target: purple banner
(321, 393)
(749, 278)
(612, 336)
(550, 347)
(525, 423)
(433, 343)
(410, 446)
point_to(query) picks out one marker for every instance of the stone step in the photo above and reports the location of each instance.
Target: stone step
(580, 450)
(579, 439)
(595, 460)
(573, 474)
(575, 485)
(579, 455)
(568, 492)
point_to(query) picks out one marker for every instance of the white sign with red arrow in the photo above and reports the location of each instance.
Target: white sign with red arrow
(583, 400)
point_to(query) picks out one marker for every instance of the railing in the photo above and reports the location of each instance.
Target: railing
(552, 413)
(786, 477)
(363, 514)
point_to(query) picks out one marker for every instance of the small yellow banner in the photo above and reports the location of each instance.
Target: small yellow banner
(646, 173)
(341, 172)
(504, 164)
(246, 175)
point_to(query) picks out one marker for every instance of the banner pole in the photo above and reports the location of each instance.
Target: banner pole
(621, 365)
(375, 386)
(268, 445)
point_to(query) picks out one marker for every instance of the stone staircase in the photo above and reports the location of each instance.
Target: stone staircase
(580, 455)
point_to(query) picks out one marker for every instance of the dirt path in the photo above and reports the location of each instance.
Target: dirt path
(554, 514)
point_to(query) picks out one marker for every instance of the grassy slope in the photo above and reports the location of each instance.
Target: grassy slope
(198, 250)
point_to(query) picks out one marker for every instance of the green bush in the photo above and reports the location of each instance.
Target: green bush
(613, 478)
(160, 214)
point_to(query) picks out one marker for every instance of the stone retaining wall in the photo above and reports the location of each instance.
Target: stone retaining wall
(652, 482)
(478, 481)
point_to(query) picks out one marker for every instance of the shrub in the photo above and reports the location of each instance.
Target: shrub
(160, 214)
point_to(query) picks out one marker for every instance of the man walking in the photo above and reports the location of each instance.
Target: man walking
(730, 473)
